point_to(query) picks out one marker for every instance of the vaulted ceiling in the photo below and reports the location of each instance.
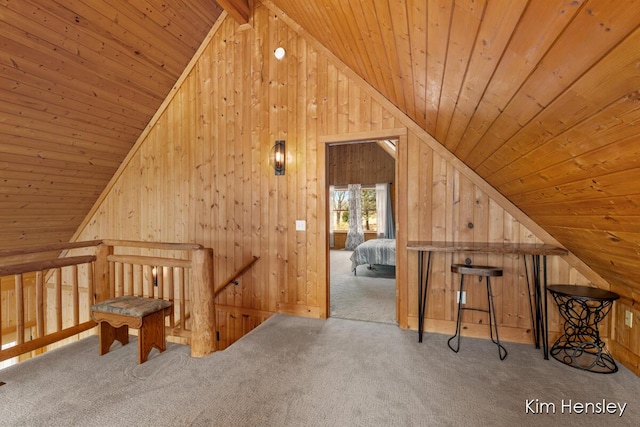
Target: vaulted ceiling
(79, 82)
(540, 98)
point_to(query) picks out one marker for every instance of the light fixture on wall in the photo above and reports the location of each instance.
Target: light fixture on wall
(279, 53)
(278, 157)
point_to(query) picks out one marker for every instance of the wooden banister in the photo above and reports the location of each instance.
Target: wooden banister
(40, 342)
(232, 278)
(147, 260)
(53, 247)
(153, 245)
(184, 276)
(44, 265)
(203, 313)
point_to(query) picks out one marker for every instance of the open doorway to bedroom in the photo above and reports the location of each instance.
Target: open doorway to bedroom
(361, 230)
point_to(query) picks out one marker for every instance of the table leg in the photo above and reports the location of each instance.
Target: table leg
(545, 328)
(423, 286)
(541, 332)
(539, 304)
(534, 318)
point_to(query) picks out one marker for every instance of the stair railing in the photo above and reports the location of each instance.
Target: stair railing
(52, 295)
(233, 278)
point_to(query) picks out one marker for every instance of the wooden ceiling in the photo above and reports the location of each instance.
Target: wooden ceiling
(540, 98)
(79, 82)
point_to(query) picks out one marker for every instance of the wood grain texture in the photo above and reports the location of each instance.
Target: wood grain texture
(239, 207)
(536, 97)
(80, 81)
(361, 163)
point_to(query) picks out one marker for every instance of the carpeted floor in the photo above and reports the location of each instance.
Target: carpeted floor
(293, 371)
(370, 295)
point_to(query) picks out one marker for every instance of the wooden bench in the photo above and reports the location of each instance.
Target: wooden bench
(115, 316)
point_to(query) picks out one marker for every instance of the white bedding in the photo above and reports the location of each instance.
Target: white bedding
(374, 251)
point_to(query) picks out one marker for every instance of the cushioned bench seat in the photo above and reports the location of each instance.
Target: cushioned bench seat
(115, 316)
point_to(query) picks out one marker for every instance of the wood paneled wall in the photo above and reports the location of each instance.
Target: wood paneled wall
(363, 163)
(538, 97)
(202, 175)
(340, 238)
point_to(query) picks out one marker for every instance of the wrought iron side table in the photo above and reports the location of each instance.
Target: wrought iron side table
(580, 346)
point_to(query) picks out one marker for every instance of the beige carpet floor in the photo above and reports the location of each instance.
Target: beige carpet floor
(370, 295)
(293, 371)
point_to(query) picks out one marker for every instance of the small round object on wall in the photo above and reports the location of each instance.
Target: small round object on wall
(279, 53)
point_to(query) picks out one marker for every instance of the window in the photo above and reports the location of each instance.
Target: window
(341, 209)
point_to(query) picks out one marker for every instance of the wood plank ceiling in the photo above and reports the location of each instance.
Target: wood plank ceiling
(79, 81)
(540, 98)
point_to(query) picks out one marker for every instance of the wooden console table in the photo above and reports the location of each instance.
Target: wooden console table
(538, 271)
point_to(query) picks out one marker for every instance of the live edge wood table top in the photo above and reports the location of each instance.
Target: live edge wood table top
(482, 247)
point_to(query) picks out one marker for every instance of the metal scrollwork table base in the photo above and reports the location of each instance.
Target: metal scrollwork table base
(582, 309)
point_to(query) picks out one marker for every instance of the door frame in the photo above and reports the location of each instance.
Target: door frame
(324, 143)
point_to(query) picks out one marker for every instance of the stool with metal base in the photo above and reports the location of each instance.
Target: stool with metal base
(486, 272)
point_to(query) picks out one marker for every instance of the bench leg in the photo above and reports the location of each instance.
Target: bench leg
(108, 334)
(151, 335)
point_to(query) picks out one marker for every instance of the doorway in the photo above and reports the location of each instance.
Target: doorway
(369, 292)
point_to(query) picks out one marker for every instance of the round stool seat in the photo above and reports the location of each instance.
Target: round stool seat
(478, 270)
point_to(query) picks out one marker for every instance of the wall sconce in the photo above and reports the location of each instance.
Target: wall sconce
(154, 276)
(279, 156)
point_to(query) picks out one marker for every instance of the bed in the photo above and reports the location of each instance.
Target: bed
(374, 251)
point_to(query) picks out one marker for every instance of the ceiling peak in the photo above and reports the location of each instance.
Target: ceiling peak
(238, 9)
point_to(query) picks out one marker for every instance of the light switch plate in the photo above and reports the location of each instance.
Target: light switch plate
(464, 297)
(301, 225)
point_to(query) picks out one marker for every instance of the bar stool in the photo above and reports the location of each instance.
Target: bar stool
(482, 271)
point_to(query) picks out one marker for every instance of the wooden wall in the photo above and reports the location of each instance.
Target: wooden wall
(201, 174)
(540, 98)
(363, 163)
(340, 238)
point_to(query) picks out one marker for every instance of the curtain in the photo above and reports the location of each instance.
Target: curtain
(355, 235)
(332, 217)
(386, 227)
